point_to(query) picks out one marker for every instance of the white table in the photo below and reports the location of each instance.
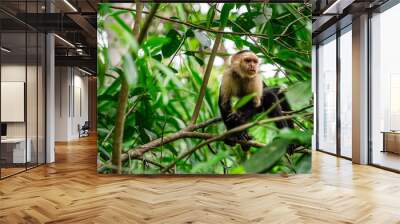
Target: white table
(18, 144)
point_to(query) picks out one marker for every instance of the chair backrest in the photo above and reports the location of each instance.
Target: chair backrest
(86, 125)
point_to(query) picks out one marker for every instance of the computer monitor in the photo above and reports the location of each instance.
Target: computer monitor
(3, 129)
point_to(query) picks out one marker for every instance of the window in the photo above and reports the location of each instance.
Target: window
(385, 89)
(346, 92)
(327, 95)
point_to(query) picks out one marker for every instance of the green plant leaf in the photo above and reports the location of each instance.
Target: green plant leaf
(299, 95)
(130, 72)
(154, 42)
(208, 166)
(243, 101)
(303, 164)
(266, 157)
(296, 136)
(169, 48)
(226, 8)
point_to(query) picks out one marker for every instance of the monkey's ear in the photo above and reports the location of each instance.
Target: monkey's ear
(235, 59)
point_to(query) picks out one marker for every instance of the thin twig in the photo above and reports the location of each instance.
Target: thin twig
(177, 50)
(298, 111)
(147, 22)
(264, 36)
(207, 74)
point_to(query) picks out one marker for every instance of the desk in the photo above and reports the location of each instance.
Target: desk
(391, 141)
(13, 150)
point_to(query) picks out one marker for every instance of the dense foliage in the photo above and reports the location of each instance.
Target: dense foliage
(165, 74)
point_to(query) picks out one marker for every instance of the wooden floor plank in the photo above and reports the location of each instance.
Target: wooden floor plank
(70, 191)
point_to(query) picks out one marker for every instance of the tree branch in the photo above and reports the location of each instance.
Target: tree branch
(138, 17)
(140, 150)
(221, 54)
(119, 126)
(147, 22)
(228, 133)
(150, 161)
(204, 124)
(207, 76)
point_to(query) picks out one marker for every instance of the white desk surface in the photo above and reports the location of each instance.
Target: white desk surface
(13, 140)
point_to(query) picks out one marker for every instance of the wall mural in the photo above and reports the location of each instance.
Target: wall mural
(210, 88)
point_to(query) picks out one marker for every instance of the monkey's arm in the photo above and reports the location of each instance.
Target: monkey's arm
(226, 109)
(232, 120)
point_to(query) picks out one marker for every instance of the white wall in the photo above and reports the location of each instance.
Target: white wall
(71, 94)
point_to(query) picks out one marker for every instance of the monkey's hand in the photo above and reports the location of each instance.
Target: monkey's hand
(240, 137)
(235, 118)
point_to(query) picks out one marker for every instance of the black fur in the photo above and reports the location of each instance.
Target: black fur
(244, 114)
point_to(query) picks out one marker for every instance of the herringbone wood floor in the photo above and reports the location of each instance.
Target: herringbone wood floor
(70, 191)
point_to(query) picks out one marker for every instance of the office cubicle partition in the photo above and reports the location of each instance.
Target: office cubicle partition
(22, 89)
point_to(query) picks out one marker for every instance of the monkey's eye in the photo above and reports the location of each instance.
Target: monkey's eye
(247, 60)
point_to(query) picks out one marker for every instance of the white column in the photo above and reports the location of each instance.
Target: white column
(50, 99)
(360, 90)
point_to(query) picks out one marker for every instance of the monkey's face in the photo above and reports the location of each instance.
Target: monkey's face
(249, 64)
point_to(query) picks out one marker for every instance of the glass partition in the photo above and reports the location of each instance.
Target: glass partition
(327, 95)
(14, 151)
(22, 89)
(32, 98)
(41, 110)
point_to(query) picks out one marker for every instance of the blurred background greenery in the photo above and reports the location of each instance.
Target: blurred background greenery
(165, 71)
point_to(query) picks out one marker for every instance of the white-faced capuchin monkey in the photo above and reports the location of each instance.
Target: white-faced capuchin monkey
(242, 79)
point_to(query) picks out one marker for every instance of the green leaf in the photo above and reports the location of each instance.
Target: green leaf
(169, 48)
(238, 170)
(154, 42)
(226, 8)
(296, 136)
(303, 164)
(208, 166)
(189, 33)
(211, 15)
(299, 95)
(163, 68)
(130, 72)
(266, 157)
(244, 22)
(113, 88)
(243, 101)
